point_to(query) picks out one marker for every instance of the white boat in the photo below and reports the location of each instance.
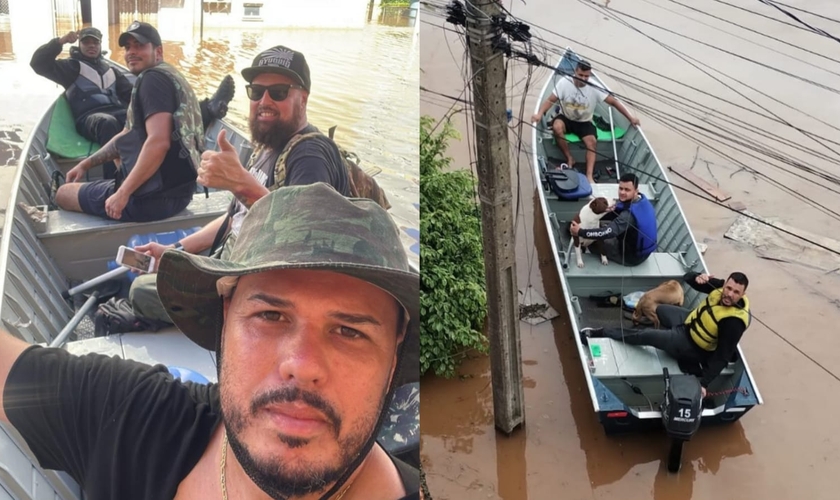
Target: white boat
(625, 382)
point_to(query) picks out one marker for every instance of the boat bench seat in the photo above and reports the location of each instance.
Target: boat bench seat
(88, 243)
(616, 359)
(658, 265)
(610, 191)
(60, 222)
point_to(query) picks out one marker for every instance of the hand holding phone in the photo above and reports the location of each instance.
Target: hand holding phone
(137, 261)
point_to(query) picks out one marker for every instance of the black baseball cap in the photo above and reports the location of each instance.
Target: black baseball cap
(282, 61)
(90, 32)
(142, 32)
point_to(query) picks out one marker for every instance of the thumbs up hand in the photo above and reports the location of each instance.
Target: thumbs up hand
(221, 169)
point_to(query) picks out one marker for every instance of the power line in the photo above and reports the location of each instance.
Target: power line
(809, 12)
(685, 58)
(818, 31)
(756, 32)
(739, 56)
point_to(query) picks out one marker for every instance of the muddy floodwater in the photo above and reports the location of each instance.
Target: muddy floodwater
(364, 79)
(786, 448)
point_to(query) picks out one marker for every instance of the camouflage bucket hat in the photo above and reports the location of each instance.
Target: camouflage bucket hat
(296, 227)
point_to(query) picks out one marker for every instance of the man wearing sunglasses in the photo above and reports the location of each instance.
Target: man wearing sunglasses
(278, 86)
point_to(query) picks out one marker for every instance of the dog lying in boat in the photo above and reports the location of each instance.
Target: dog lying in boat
(669, 292)
(589, 217)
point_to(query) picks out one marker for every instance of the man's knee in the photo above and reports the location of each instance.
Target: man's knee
(106, 127)
(559, 127)
(145, 300)
(590, 142)
(67, 197)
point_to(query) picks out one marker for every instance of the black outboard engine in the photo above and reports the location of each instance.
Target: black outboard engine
(681, 411)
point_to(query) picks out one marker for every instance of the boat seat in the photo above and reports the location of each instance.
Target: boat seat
(610, 191)
(60, 222)
(62, 139)
(68, 232)
(659, 265)
(616, 359)
(601, 135)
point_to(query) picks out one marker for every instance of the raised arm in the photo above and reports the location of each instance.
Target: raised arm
(703, 283)
(10, 350)
(44, 62)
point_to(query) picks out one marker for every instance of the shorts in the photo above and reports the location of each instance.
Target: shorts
(580, 129)
(92, 196)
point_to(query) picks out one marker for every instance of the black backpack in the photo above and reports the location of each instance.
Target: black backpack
(117, 316)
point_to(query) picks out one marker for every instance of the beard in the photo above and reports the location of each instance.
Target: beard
(282, 479)
(275, 134)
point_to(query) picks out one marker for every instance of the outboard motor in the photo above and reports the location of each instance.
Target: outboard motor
(681, 412)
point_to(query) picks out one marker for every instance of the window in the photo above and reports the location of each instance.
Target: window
(252, 11)
(222, 7)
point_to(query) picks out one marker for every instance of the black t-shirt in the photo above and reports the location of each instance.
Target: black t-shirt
(157, 94)
(316, 160)
(122, 429)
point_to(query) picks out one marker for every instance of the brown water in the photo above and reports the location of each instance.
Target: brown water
(363, 80)
(786, 448)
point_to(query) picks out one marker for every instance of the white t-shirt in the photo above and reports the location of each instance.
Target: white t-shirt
(577, 104)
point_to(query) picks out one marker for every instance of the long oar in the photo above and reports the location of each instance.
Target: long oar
(95, 281)
(75, 320)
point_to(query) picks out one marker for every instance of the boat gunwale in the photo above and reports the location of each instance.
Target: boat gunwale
(535, 148)
(9, 222)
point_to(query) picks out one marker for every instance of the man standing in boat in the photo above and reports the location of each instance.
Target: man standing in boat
(631, 235)
(577, 99)
(159, 149)
(703, 341)
(97, 94)
(309, 319)
(279, 84)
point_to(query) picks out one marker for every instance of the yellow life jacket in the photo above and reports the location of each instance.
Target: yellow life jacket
(703, 321)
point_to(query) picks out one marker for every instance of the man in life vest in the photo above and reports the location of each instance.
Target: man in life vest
(706, 337)
(159, 150)
(97, 94)
(631, 236)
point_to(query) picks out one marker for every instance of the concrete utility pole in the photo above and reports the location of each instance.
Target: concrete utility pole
(494, 189)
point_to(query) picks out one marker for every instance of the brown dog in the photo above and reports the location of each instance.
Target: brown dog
(590, 218)
(670, 292)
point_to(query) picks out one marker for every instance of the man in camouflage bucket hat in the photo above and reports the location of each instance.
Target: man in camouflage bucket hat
(309, 318)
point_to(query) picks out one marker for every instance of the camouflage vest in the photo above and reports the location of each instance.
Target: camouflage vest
(361, 184)
(187, 125)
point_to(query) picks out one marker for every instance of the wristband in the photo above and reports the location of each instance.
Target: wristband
(178, 246)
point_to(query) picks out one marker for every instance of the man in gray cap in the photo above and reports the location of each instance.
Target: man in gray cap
(159, 149)
(97, 94)
(309, 318)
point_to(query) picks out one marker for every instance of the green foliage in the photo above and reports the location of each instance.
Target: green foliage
(395, 3)
(452, 287)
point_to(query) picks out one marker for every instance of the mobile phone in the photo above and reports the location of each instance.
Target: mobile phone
(135, 260)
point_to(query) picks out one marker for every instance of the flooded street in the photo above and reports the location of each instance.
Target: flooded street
(786, 448)
(364, 80)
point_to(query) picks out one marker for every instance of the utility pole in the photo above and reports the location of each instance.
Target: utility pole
(494, 190)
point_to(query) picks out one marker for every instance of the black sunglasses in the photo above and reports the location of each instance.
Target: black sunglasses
(277, 92)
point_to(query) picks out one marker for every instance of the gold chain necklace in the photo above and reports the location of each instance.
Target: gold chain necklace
(222, 467)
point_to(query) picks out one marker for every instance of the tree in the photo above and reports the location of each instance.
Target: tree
(452, 289)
